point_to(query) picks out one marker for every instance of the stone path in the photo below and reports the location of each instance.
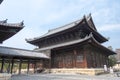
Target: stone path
(64, 77)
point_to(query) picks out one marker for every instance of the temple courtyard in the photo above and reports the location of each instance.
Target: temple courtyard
(64, 77)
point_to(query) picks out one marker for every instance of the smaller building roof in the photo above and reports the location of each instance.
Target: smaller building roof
(4, 23)
(7, 30)
(1, 1)
(21, 53)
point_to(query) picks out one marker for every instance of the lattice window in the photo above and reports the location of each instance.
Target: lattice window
(80, 58)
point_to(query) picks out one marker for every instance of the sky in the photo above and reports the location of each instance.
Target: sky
(41, 15)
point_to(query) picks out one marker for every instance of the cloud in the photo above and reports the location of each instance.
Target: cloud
(109, 27)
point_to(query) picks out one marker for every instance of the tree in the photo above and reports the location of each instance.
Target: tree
(112, 60)
(110, 47)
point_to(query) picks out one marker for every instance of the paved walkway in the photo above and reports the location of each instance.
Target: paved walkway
(64, 77)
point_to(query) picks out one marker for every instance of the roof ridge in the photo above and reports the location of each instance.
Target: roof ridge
(18, 49)
(21, 52)
(74, 22)
(90, 22)
(66, 43)
(100, 44)
(58, 29)
(4, 23)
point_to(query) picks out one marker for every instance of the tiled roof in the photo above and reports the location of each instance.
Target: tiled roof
(7, 51)
(4, 23)
(59, 29)
(65, 43)
(87, 38)
(86, 19)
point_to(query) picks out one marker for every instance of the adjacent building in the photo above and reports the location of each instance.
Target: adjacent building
(7, 30)
(11, 56)
(118, 55)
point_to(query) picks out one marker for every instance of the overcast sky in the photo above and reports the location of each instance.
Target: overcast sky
(41, 15)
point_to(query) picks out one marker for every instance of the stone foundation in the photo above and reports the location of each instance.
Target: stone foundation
(92, 71)
(5, 76)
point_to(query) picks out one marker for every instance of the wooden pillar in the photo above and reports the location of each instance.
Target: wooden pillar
(49, 64)
(49, 61)
(85, 58)
(28, 66)
(8, 68)
(74, 57)
(34, 66)
(2, 65)
(20, 65)
(100, 60)
(12, 65)
(42, 64)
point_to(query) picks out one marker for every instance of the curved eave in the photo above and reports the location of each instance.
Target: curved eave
(87, 40)
(57, 31)
(8, 25)
(91, 27)
(97, 44)
(101, 38)
(1, 1)
(4, 23)
(7, 34)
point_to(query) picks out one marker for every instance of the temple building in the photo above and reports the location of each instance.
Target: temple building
(75, 45)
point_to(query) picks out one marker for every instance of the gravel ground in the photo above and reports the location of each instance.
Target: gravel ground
(64, 77)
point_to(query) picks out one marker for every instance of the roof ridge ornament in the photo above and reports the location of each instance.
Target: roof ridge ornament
(91, 35)
(22, 23)
(89, 15)
(4, 21)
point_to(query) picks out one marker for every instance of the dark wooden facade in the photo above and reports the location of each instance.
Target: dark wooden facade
(86, 56)
(76, 45)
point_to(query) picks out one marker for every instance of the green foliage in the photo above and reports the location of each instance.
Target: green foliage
(112, 60)
(24, 66)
